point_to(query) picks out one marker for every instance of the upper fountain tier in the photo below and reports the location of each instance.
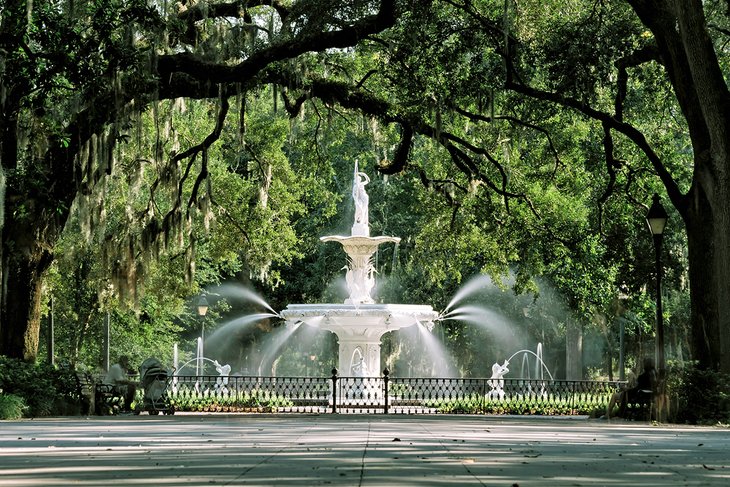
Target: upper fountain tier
(360, 276)
(360, 246)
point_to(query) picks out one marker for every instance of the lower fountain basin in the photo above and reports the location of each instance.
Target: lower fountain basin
(359, 328)
(362, 319)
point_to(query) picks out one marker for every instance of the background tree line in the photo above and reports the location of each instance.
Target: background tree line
(150, 150)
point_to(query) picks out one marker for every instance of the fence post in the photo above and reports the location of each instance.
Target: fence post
(483, 398)
(385, 386)
(334, 390)
(572, 397)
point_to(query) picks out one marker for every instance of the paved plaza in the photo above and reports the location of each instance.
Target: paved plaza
(348, 450)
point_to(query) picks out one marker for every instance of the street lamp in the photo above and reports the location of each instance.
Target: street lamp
(202, 310)
(621, 309)
(202, 306)
(657, 219)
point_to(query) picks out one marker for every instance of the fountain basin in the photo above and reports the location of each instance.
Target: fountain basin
(372, 317)
(358, 241)
(359, 328)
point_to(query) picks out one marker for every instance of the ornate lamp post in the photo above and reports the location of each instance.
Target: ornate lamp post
(657, 219)
(202, 310)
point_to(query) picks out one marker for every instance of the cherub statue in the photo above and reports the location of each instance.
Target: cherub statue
(222, 381)
(496, 382)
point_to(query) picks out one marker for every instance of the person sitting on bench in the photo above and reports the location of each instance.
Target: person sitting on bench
(121, 385)
(640, 393)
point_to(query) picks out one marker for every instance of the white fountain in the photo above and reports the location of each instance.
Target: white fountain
(359, 323)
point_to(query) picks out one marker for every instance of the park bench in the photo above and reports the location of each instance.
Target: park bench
(106, 399)
(649, 405)
(640, 406)
(96, 397)
(80, 400)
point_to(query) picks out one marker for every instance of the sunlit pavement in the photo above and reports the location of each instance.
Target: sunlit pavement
(344, 450)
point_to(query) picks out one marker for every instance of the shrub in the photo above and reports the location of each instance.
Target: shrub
(591, 405)
(702, 396)
(11, 406)
(190, 400)
(45, 390)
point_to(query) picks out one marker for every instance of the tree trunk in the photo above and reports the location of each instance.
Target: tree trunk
(707, 222)
(20, 294)
(28, 236)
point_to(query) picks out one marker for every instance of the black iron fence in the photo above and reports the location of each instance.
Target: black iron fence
(389, 395)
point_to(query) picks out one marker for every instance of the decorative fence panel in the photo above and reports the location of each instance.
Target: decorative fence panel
(251, 394)
(388, 395)
(360, 395)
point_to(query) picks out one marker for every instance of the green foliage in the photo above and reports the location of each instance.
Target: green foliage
(11, 406)
(205, 401)
(591, 405)
(572, 66)
(45, 390)
(80, 311)
(703, 396)
(245, 229)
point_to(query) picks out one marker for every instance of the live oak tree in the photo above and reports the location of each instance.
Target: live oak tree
(685, 43)
(74, 76)
(662, 59)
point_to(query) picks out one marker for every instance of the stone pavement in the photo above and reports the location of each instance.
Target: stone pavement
(358, 450)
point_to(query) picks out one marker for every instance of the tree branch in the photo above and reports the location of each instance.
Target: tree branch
(631, 132)
(611, 166)
(210, 72)
(401, 154)
(517, 121)
(638, 57)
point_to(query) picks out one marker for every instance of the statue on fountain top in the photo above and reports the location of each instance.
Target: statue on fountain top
(361, 227)
(360, 246)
